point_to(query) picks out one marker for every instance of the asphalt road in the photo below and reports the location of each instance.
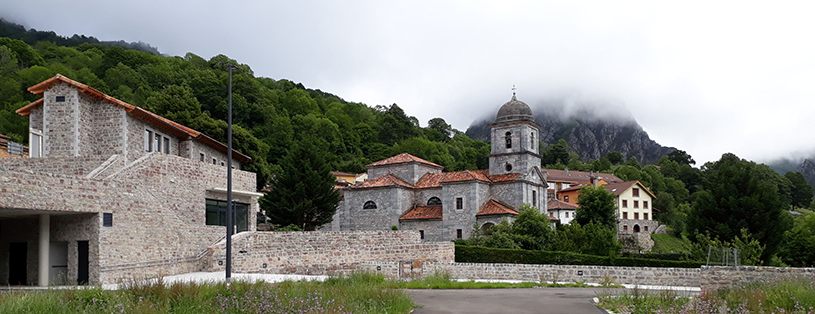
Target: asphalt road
(520, 301)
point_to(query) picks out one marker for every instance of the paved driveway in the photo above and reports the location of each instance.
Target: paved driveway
(533, 300)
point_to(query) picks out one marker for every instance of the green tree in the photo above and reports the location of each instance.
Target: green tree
(441, 126)
(799, 243)
(592, 239)
(596, 205)
(303, 193)
(681, 157)
(615, 157)
(740, 195)
(556, 153)
(633, 162)
(800, 191)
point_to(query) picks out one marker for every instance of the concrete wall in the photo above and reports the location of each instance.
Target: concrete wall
(322, 252)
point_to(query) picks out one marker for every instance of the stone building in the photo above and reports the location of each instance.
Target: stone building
(112, 192)
(414, 194)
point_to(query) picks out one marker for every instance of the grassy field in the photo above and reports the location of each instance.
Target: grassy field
(666, 243)
(794, 294)
(352, 294)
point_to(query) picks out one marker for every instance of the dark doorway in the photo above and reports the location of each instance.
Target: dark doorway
(17, 268)
(82, 262)
(636, 228)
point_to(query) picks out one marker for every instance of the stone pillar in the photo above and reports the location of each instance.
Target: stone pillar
(45, 246)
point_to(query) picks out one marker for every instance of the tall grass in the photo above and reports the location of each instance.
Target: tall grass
(790, 294)
(351, 294)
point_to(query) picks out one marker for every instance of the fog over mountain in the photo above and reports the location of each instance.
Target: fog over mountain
(592, 127)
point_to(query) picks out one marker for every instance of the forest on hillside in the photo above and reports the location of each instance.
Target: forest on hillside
(270, 116)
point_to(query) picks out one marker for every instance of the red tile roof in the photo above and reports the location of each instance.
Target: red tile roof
(388, 180)
(432, 180)
(167, 124)
(571, 188)
(494, 207)
(423, 212)
(556, 204)
(577, 176)
(403, 158)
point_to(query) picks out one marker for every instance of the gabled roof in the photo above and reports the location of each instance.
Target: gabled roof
(556, 204)
(423, 212)
(164, 123)
(403, 158)
(571, 188)
(387, 180)
(619, 188)
(577, 176)
(494, 207)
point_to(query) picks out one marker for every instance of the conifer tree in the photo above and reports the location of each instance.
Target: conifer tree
(303, 193)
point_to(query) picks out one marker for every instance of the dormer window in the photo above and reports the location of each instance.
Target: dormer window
(508, 137)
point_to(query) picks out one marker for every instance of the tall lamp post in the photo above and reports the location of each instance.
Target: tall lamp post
(229, 206)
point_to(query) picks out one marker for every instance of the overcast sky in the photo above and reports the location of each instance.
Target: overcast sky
(708, 77)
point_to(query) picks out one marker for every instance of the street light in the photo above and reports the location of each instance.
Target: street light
(229, 208)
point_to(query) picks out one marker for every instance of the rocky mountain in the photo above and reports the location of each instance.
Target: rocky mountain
(590, 133)
(805, 166)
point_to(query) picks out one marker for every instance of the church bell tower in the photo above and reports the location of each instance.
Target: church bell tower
(515, 138)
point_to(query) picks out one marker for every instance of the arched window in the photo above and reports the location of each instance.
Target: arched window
(434, 201)
(485, 229)
(508, 137)
(369, 205)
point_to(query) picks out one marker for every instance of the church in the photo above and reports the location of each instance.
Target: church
(410, 193)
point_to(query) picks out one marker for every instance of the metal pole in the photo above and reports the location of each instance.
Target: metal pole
(229, 222)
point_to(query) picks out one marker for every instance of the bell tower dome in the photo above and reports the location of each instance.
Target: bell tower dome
(515, 138)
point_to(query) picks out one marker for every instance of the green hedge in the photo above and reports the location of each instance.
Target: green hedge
(475, 254)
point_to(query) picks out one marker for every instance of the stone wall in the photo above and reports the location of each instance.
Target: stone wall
(719, 277)
(67, 166)
(322, 252)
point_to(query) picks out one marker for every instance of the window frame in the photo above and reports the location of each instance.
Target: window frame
(645, 204)
(241, 214)
(636, 216)
(438, 203)
(35, 136)
(625, 203)
(369, 205)
(148, 140)
(202, 157)
(625, 215)
(636, 204)
(635, 192)
(460, 203)
(166, 145)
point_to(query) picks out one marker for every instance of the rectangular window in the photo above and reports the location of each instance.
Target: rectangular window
(646, 228)
(35, 144)
(216, 214)
(645, 216)
(625, 203)
(166, 145)
(625, 215)
(107, 219)
(202, 157)
(157, 144)
(636, 215)
(60, 99)
(148, 141)
(567, 214)
(645, 204)
(625, 228)
(636, 204)
(458, 234)
(566, 198)
(214, 161)
(459, 203)
(635, 192)
(421, 234)
(534, 198)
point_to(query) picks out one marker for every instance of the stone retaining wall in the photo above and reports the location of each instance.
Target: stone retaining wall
(322, 252)
(718, 277)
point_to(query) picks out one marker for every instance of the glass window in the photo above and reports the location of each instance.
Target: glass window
(369, 205)
(566, 198)
(534, 198)
(636, 215)
(459, 203)
(458, 234)
(214, 161)
(625, 203)
(166, 145)
(202, 157)
(148, 141)
(645, 216)
(508, 138)
(635, 192)
(567, 214)
(434, 201)
(625, 215)
(157, 144)
(216, 214)
(645, 204)
(636, 204)
(35, 143)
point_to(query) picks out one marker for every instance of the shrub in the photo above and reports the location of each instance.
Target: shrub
(472, 254)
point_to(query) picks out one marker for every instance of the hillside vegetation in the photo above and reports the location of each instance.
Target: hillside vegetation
(270, 115)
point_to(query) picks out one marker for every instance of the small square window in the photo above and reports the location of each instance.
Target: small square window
(60, 99)
(107, 219)
(222, 164)
(625, 228)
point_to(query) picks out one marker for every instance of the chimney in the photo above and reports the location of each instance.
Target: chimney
(593, 179)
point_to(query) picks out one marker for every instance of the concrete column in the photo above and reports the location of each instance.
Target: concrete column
(45, 246)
